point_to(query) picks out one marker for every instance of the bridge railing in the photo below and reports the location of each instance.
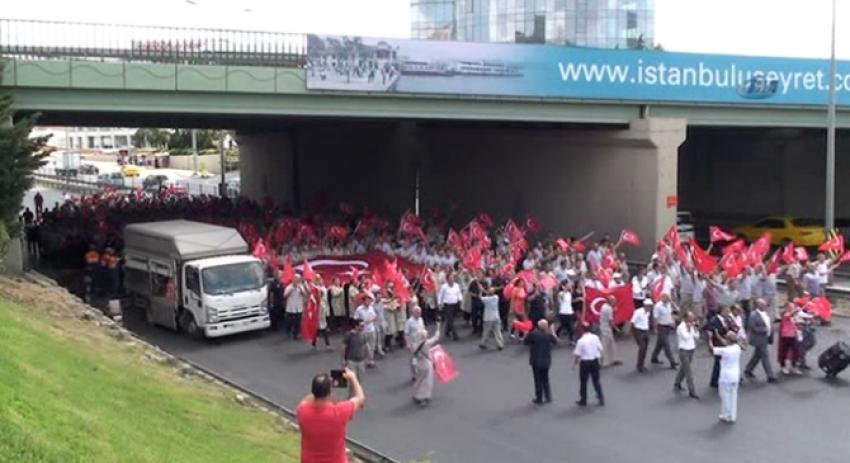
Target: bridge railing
(33, 39)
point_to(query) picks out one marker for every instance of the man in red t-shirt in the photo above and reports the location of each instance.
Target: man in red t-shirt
(323, 421)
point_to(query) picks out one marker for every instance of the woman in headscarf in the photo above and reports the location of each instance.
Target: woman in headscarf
(423, 385)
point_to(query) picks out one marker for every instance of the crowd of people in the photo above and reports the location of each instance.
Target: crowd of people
(506, 282)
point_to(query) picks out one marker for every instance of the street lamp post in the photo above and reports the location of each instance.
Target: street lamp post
(830, 135)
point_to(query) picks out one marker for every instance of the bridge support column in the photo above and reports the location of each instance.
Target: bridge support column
(267, 167)
(574, 181)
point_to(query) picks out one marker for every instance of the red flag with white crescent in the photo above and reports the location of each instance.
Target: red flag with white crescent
(630, 237)
(310, 318)
(800, 253)
(444, 365)
(717, 234)
(594, 299)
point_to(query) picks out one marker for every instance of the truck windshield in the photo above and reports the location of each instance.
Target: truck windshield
(233, 278)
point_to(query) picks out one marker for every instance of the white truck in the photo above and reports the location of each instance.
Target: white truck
(67, 164)
(195, 277)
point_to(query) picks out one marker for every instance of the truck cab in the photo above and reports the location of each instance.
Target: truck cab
(195, 277)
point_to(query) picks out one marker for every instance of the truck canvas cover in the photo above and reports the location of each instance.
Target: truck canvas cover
(183, 239)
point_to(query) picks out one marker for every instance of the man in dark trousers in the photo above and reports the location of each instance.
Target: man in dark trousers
(587, 353)
(540, 341)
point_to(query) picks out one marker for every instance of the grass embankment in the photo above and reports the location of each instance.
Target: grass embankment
(71, 393)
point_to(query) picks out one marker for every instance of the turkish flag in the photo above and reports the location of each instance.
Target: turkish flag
(310, 319)
(604, 275)
(307, 272)
(788, 253)
(562, 243)
(444, 366)
(548, 282)
(835, 244)
(736, 246)
(514, 233)
(532, 224)
(657, 287)
(472, 260)
(260, 250)
(703, 262)
(629, 236)
(717, 234)
(594, 298)
(732, 265)
(762, 245)
(288, 272)
(773, 265)
(485, 220)
(844, 257)
(672, 235)
(800, 253)
(821, 306)
(681, 254)
(427, 280)
(409, 228)
(454, 241)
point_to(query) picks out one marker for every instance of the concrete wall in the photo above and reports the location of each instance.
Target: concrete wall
(211, 161)
(757, 172)
(574, 181)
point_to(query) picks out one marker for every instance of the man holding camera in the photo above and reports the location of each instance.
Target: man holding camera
(323, 422)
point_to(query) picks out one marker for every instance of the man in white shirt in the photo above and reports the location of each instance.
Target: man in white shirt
(639, 284)
(687, 335)
(366, 314)
(730, 376)
(412, 335)
(587, 353)
(662, 319)
(606, 329)
(491, 318)
(449, 299)
(296, 297)
(640, 328)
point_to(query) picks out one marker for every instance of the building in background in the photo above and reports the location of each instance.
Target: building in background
(586, 23)
(87, 138)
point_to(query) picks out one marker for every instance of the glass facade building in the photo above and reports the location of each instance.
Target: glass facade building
(587, 23)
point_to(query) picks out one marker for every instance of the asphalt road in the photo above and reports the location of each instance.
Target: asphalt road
(486, 415)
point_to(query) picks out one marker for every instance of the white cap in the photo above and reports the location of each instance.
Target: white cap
(647, 301)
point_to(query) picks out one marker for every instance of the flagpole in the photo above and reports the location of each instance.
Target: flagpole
(830, 136)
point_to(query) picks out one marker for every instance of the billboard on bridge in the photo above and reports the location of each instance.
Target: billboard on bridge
(373, 65)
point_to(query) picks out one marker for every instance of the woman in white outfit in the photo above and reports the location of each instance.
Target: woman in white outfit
(423, 385)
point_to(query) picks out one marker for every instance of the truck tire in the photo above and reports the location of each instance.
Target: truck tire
(189, 325)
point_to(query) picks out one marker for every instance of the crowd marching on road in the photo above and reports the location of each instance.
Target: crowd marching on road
(579, 292)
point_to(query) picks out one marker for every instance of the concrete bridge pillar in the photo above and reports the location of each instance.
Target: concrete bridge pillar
(267, 167)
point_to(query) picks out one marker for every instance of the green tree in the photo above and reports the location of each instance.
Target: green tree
(154, 138)
(180, 141)
(20, 155)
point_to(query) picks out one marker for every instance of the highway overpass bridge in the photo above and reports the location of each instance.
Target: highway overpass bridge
(580, 162)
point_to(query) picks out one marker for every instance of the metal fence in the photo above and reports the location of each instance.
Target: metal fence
(80, 182)
(32, 39)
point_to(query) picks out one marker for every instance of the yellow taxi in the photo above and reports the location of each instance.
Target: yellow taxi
(802, 232)
(130, 170)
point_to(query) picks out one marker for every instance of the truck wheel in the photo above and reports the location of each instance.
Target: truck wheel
(189, 325)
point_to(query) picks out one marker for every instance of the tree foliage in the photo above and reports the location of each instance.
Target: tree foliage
(153, 138)
(20, 155)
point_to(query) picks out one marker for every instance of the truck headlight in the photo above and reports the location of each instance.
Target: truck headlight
(264, 309)
(212, 315)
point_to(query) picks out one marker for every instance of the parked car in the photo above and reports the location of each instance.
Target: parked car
(154, 182)
(89, 169)
(802, 232)
(114, 178)
(129, 170)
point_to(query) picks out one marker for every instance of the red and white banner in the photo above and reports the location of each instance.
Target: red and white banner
(595, 298)
(444, 366)
(345, 267)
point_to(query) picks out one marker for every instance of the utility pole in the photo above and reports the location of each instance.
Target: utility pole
(194, 153)
(830, 136)
(222, 188)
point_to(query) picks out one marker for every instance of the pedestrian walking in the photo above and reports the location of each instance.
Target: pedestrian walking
(730, 376)
(540, 341)
(588, 352)
(687, 336)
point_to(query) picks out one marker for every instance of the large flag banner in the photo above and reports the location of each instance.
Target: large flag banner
(595, 298)
(347, 267)
(310, 319)
(444, 366)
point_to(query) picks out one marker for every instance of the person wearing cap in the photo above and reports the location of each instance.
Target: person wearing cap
(366, 314)
(640, 328)
(730, 376)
